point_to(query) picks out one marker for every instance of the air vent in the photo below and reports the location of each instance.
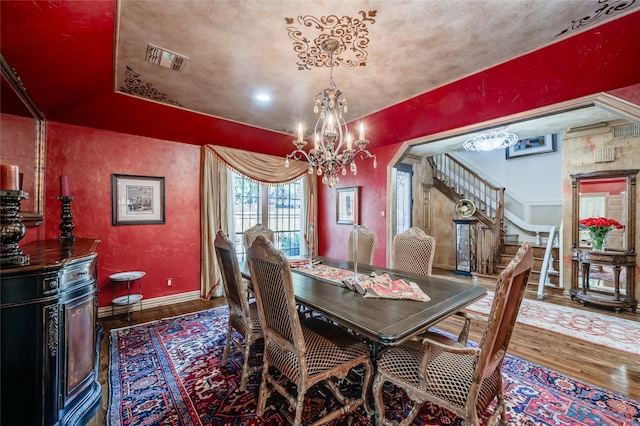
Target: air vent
(165, 58)
(604, 155)
(626, 130)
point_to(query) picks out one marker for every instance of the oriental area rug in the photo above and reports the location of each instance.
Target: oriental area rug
(169, 372)
(606, 330)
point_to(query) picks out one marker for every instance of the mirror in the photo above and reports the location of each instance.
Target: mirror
(22, 128)
(604, 197)
(607, 194)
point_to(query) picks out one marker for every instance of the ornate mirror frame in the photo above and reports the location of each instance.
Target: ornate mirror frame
(27, 108)
(630, 225)
(621, 261)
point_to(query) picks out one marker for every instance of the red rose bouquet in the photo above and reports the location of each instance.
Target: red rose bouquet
(599, 228)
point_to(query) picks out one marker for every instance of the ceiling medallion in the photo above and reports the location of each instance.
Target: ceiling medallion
(350, 33)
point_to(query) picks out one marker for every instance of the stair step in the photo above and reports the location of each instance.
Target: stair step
(552, 288)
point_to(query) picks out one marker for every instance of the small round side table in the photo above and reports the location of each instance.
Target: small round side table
(129, 299)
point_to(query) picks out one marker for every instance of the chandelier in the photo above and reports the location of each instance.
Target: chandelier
(333, 149)
(491, 140)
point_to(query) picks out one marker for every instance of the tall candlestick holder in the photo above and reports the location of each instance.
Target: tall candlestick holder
(309, 265)
(355, 278)
(67, 225)
(13, 229)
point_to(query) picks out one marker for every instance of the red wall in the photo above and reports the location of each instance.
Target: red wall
(610, 186)
(89, 157)
(332, 237)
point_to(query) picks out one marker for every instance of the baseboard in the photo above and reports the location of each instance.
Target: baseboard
(105, 311)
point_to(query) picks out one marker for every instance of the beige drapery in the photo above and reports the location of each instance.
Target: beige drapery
(215, 189)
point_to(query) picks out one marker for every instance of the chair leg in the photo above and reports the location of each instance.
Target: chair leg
(264, 391)
(500, 410)
(366, 384)
(245, 366)
(378, 400)
(412, 414)
(501, 405)
(227, 344)
(299, 406)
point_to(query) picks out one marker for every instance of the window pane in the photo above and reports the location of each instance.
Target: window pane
(247, 208)
(403, 195)
(285, 202)
(283, 215)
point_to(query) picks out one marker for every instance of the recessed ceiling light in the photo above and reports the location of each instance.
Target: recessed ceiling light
(263, 97)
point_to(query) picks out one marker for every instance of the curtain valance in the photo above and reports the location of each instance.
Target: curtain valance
(263, 168)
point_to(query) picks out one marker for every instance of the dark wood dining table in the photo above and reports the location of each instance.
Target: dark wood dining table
(387, 322)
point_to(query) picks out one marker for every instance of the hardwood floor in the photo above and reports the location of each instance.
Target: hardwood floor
(610, 369)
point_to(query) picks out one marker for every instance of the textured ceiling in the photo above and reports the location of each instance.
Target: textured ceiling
(390, 50)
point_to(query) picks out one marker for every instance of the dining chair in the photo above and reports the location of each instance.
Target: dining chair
(413, 251)
(306, 352)
(243, 316)
(366, 244)
(449, 373)
(258, 229)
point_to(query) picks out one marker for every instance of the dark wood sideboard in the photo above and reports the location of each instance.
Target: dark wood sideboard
(50, 338)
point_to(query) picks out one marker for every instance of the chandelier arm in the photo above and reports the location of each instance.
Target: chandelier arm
(364, 154)
(299, 154)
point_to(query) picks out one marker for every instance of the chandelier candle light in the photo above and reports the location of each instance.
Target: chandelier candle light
(331, 134)
(599, 228)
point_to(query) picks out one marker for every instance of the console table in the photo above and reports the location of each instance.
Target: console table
(616, 259)
(50, 338)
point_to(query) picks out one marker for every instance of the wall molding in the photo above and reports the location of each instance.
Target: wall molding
(603, 100)
(189, 296)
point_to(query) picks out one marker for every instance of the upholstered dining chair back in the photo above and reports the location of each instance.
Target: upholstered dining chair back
(413, 251)
(463, 379)
(258, 229)
(366, 244)
(273, 286)
(507, 299)
(243, 316)
(305, 352)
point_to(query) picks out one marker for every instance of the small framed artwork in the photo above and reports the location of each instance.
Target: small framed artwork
(531, 146)
(137, 200)
(348, 205)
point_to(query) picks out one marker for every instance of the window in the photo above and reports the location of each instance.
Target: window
(403, 197)
(276, 206)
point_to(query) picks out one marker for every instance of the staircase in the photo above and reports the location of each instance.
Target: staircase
(494, 251)
(552, 287)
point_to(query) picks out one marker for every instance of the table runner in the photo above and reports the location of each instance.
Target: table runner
(369, 286)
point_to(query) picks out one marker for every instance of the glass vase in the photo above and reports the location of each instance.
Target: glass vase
(599, 240)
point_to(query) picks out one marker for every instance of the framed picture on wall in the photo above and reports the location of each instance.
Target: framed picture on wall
(137, 200)
(348, 205)
(531, 146)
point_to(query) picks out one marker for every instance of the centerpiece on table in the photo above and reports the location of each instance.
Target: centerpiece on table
(599, 229)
